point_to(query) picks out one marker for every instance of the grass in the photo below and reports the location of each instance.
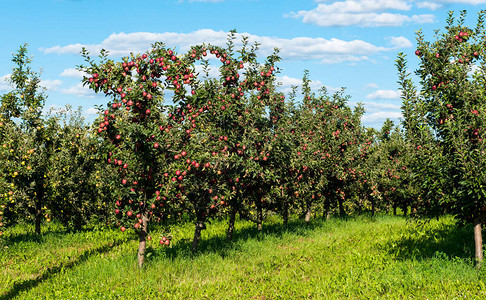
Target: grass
(359, 258)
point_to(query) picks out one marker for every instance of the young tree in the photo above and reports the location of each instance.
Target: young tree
(28, 146)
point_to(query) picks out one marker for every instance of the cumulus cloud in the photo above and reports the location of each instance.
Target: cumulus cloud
(4, 84)
(375, 106)
(52, 109)
(212, 72)
(400, 42)
(371, 85)
(79, 90)
(91, 111)
(472, 2)
(429, 5)
(381, 116)
(300, 48)
(363, 13)
(286, 84)
(71, 72)
(384, 94)
(51, 85)
(213, 1)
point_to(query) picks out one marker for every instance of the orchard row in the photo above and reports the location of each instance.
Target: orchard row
(234, 145)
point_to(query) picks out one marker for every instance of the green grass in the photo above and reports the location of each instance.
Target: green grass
(360, 258)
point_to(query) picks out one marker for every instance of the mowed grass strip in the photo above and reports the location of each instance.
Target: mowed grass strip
(360, 258)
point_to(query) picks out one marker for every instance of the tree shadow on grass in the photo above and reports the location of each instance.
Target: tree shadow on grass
(425, 242)
(25, 285)
(221, 246)
(29, 236)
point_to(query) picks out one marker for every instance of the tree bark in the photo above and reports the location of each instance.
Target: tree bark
(308, 213)
(197, 235)
(231, 225)
(142, 241)
(259, 216)
(38, 216)
(285, 213)
(285, 208)
(39, 197)
(327, 210)
(478, 241)
(341, 207)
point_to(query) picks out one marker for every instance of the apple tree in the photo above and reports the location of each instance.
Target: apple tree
(28, 146)
(451, 71)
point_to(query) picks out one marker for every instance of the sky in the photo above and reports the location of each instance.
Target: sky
(345, 43)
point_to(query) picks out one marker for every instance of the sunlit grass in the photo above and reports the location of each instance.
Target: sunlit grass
(359, 258)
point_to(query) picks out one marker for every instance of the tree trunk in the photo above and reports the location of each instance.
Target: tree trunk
(373, 208)
(39, 197)
(285, 213)
(405, 209)
(38, 216)
(327, 211)
(478, 241)
(142, 241)
(259, 216)
(394, 209)
(308, 213)
(200, 226)
(341, 207)
(231, 225)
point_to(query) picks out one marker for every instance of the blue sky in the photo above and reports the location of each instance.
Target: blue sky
(344, 43)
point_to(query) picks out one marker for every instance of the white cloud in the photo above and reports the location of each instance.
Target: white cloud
(429, 5)
(4, 84)
(91, 111)
(371, 85)
(384, 94)
(299, 48)
(71, 72)
(212, 71)
(380, 116)
(363, 13)
(51, 85)
(52, 109)
(79, 90)
(374, 106)
(359, 6)
(213, 1)
(400, 42)
(287, 83)
(473, 2)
